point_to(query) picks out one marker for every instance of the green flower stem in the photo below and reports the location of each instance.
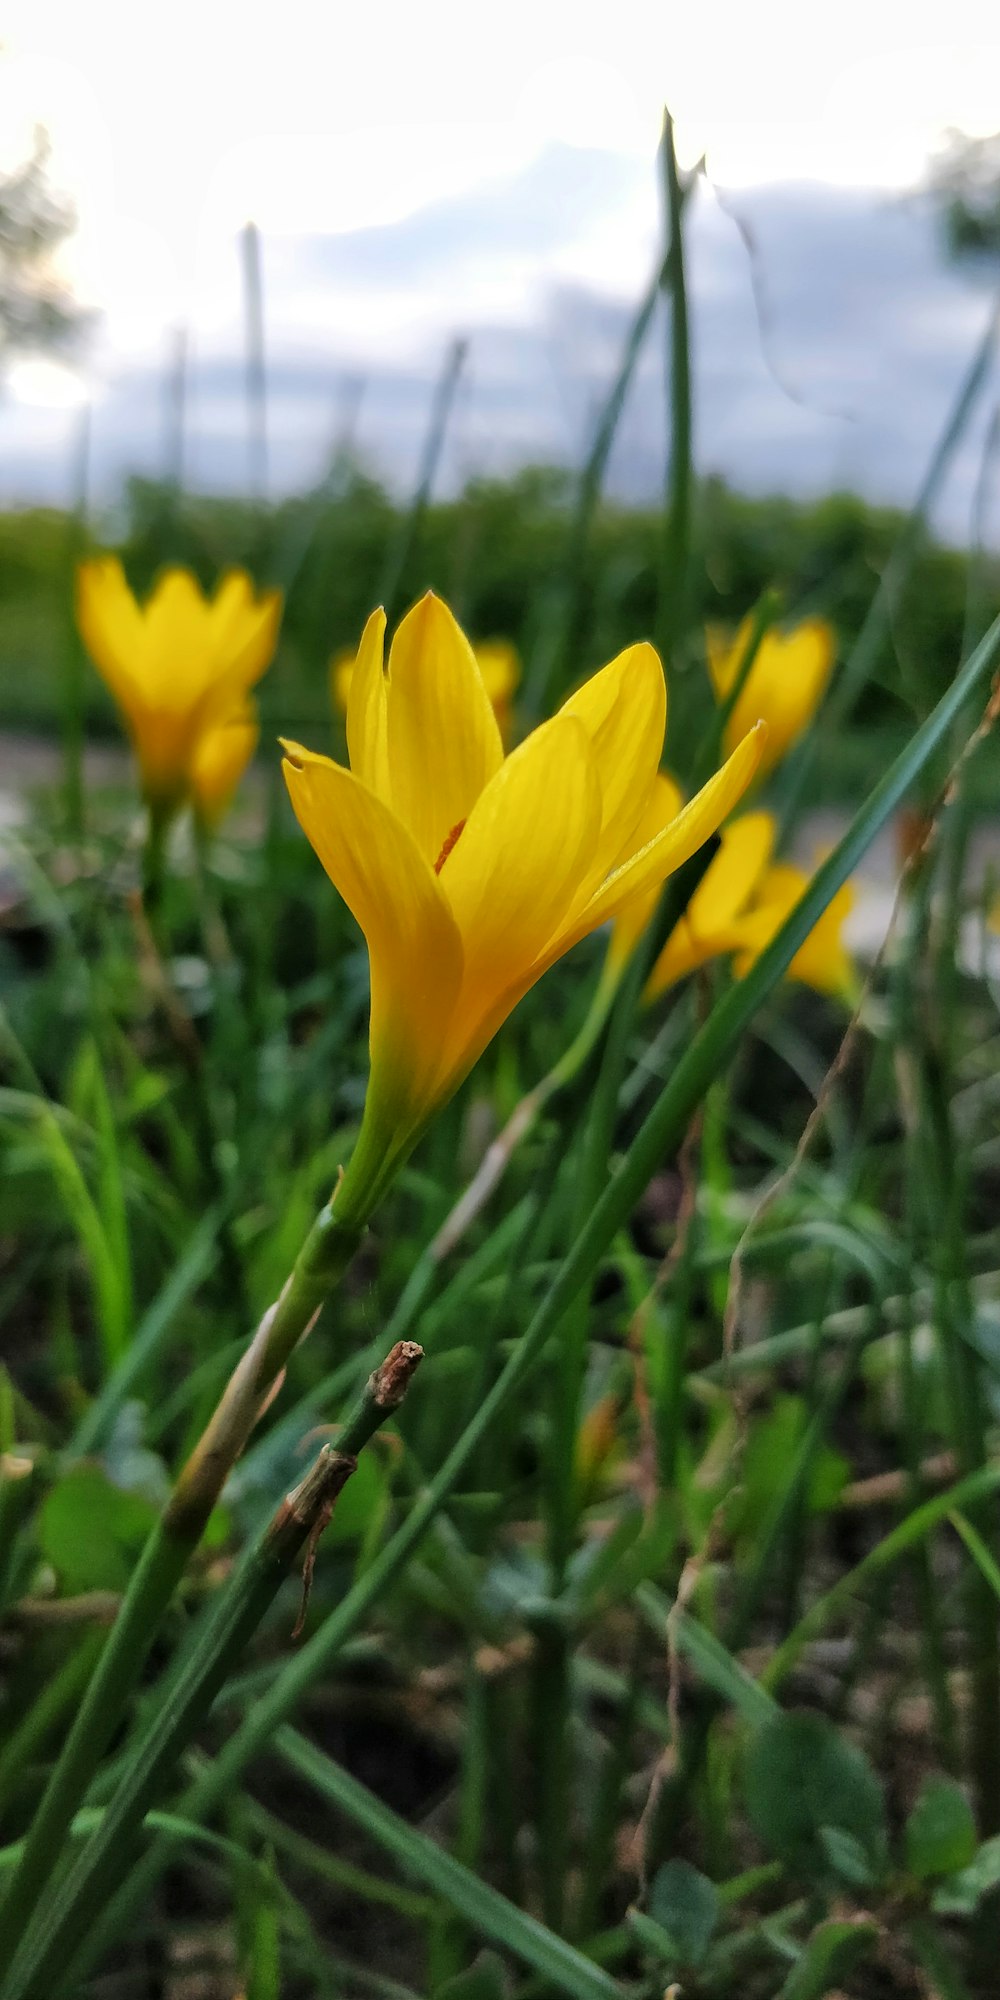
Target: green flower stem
(235, 1615)
(324, 1256)
(154, 855)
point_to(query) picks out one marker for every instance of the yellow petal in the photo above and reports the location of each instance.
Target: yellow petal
(111, 626)
(624, 711)
(220, 758)
(413, 942)
(732, 874)
(341, 671)
(244, 628)
(663, 805)
(706, 930)
(822, 961)
(685, 950)
(784, 687)
(443, 742)
(678, 840)
(367, 743)
(513, 871)
(500, 669)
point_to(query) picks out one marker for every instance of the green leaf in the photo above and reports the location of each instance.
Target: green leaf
(959, 1895)
(483, 1981)
(91, 1531)
(263, 1968)
(686, 1905)
(940, 1834)
(846, 1856)
(773, 1444)
(832, 1951)
(802, 1780)
(480, 1906)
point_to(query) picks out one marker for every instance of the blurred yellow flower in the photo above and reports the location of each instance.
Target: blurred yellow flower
(785, 685)
(220, 758)
(738, 906)
(823, 961)
(177, 666)
(471, 873)
(498, 663)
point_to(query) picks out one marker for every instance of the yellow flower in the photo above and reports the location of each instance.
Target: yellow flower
(501, 672)
(221, 756)
(177, 666)
(823, 961)
(471, 873)
(498, 664)
(341, 676)
(785, 685)
(738, 906)
(709, 927)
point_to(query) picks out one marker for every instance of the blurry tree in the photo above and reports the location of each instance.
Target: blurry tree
(36, 307)
(965, 184)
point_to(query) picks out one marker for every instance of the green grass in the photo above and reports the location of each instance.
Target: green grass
(656, 1637)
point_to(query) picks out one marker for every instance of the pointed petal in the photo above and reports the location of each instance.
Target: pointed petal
(413, 942)
(677, 841)
(733, 873)
(111, 626)
(367, 744)
(220, 758)
(244, 628)
(511, 875)
(443, 742)
(785, 686)
(685, 950)
(624, 711)
(663, 805)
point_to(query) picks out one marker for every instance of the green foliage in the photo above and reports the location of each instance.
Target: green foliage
(830, 1956)
(496, 552)
(941, 1831)
(805, 1782)
(685, 1904)
(534, 1676)
(91, 1531)
(484, 1981)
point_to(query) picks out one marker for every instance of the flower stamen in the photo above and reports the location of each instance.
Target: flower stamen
(449, 842)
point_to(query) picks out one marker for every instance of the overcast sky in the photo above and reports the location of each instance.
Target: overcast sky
(419, 171)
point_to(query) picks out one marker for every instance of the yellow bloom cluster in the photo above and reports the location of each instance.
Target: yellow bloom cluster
(181, 668)
(471, 872)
